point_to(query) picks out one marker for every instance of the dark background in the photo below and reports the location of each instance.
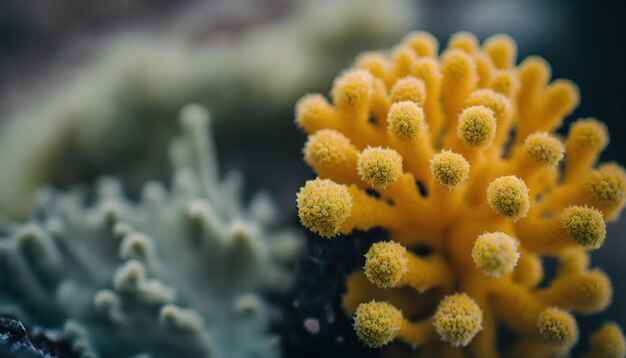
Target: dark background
(582, 40)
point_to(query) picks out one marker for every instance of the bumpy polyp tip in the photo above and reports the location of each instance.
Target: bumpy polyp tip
(327, 148)
(353, 90)
(544, 149)
(409, 88)
(502, 50)
(323, 206)
(406, 121)
(377, 323)
(495, 253)
(385, 264)
(585, 226)
(458, 319)
(449, 169)
(497, 102)
(608, 342)
(508, 196)
(587, 135)
(607, 185)
(557, 327)
(477, 126)
(379, 167)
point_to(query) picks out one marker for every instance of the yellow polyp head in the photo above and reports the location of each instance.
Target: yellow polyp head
(457, 320)
(588, 292)
(379, 167)
(406, 121)
(352, 90)
(310, 109)
(409, 88)
(423, 43)
(323, 206)
(403, 57)
(327, 148)
(534, 72)
(557, 327)
(426, 69)
(477, 127)
(608, 342)
(561, 97)
(502, 49)
(495, 253)
(508, 196)
(374, 62)
(457, 66)
(544, 149)
(385, 264)
(497, 102)
(585, 226)
(587, 135)
(377, 323)
(464, 41)
(607, 185)
(505, 82)
(449, 169)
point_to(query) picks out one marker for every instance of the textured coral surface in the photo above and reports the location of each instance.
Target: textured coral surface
(458, 151)
(182, 271)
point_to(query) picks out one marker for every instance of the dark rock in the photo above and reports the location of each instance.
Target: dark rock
(17, 341)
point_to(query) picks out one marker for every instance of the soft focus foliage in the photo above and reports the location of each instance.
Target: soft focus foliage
(183, 271)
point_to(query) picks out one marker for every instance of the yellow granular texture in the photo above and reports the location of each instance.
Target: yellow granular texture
(544, 148)
(353, 89)
(323, 206)
(477, 126)
(587, 134)
(449, 169)
(377, 323)
(379, 167)
(406, 121)
(585, 226)
(385, 263)
(508, 196)
(606, 187)
(458, 319)
(495, 253)
(557, 327)
(326, 147)
(408, 89)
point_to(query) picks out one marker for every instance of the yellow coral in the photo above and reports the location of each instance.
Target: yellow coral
(477, 126)
(457, 319)
(323, 206)
(544, 148)
(406, 121)
(495, 253)
(557, 327)
(385, 263)
(449, 169)
(508, 196)
(379, 167)
(608, 342)
(584, 225)
(411, 124)
(377, 323)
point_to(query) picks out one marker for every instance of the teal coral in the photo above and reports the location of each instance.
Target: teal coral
(180, 272)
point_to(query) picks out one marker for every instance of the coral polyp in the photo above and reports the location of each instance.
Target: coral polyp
(458, 151)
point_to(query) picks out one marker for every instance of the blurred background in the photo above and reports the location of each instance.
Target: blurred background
(101, 82)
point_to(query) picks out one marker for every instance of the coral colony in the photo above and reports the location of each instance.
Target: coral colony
(181, 272)
(457, 152)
